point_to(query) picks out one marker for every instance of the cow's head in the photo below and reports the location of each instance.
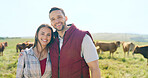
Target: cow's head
(23, 45)
(6, 44)
(136, 50)
(118, 43)
(97, 43)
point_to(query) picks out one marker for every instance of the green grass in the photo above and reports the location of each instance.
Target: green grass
(111, 67)
(120, 67)
(8, 62)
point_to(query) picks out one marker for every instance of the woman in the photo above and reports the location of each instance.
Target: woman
(35, 62)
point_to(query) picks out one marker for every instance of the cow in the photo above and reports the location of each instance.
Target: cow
(2, 47)
(23, 45)
(127, 47)
(29, 44)
(112, 46)
(142, 50)
(5, 44)
(20, 46)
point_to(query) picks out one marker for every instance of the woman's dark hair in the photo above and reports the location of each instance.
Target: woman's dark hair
(36, 35)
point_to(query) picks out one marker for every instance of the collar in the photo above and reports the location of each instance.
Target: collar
(30, 51)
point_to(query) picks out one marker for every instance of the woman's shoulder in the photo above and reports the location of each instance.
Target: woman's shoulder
(27, 51)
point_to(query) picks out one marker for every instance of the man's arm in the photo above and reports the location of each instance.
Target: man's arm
(94, 68)
(91, 57)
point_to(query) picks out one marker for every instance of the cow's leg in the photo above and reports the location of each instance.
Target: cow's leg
(129, 50)
(101, 52)
(128, 54)
(2, 53)
(98, 50)
(147, 62)
(16, 49)
(20, 50)
(112, 54)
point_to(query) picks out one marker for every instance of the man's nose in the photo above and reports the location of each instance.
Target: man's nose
(56, 21)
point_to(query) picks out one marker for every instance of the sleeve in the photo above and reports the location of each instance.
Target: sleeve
(88, 49)
(20, 65)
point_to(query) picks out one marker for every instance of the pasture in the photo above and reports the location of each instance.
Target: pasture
(111, 67)
(8, 62)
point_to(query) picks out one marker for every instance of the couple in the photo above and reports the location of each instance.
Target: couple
(66, 53)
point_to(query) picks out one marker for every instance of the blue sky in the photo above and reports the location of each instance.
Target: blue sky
(19, 18)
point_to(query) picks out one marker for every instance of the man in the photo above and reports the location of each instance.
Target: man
(73, 52)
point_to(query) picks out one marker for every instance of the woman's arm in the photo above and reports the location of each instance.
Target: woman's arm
(20, 65)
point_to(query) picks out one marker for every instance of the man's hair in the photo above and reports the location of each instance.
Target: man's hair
(56, 8)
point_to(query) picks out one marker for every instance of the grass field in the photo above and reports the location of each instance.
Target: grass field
(8, 62)
(115, 67)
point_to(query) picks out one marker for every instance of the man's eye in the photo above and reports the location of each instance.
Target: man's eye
(59, 17)
(52, 19)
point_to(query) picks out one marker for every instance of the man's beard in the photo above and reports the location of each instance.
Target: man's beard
(60, 29)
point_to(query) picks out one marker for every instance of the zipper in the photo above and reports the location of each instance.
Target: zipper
(59, 61)
(59, 53)
(59, 66)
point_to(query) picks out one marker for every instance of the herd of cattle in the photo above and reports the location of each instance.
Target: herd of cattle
(100, 46)
(19, 46)
(127, 47)
(24, 45)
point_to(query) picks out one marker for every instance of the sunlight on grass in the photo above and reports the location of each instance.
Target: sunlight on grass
(8, 62)
(111, 67)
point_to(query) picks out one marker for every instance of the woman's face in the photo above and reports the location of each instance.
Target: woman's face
(44, 36)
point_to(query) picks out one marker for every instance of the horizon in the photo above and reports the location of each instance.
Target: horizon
(21, 18)
(90, 33)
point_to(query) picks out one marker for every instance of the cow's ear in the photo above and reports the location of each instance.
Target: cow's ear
(137, 47)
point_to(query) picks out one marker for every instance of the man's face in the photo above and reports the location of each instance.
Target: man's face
(58, 20)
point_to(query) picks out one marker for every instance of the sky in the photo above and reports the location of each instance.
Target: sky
(21, 18)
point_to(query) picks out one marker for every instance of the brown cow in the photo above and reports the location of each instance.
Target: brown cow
(142, 50)
(5, 44)
(24, 45)
(2, 47)
(29, 44)
(20, 46)
(127, 47)
(112, 46)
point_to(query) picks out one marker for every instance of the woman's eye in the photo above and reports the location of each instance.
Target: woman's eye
(52, 19)
(42, 33)
(48, 34)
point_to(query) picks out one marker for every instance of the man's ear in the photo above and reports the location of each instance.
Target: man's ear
(51, 24)
(66, 18)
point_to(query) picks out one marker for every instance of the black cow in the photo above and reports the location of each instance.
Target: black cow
(142, 50)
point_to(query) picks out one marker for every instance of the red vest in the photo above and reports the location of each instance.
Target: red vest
(67, 62)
